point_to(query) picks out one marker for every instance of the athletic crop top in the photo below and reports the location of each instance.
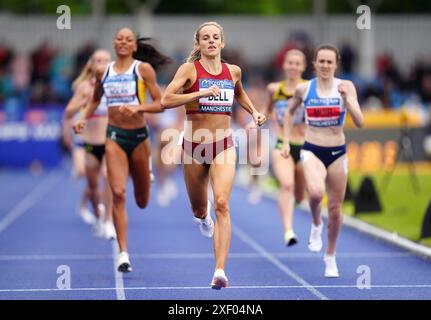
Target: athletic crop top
(222, 104)
(324, 112)
(126, 88)
(102, 109)
(281, 99)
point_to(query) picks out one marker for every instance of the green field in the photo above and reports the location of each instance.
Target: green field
(403, 208)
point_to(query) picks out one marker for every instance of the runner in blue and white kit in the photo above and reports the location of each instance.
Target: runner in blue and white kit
(326, 100)
(125, 83)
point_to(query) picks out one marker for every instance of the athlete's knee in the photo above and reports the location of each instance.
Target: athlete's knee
(334, 210)
(287, 187)
(221, 206)
(316, 194)
(119, 195)
(200, 211)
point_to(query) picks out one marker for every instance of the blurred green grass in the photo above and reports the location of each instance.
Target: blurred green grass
(403, 208)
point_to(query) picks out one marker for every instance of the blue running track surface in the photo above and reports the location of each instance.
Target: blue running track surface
(41, 234)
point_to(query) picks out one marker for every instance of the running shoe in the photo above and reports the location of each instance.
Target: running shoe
(86, 215)
(123, 264)
(255, 196)
(99, 228)
(315, 242)
(331, 270)
(110, 233)
(206, 225)
(219, 280)
(290, 238)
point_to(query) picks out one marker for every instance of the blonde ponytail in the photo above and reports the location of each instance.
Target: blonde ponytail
(84, 75)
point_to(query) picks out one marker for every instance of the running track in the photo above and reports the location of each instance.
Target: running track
(40, 231)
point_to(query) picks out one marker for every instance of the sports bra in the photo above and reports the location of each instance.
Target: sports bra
(324, 111)
(222, 104)
(126, 88)
(281, 99)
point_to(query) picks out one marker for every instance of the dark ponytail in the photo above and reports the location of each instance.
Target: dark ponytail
(148, 53)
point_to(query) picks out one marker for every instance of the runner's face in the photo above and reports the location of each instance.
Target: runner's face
(210, 41)
(294, 66)
(125, 43)
(101, 59)
(325, 64)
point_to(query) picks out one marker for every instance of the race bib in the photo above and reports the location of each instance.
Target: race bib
(221, 103)
(120, 89)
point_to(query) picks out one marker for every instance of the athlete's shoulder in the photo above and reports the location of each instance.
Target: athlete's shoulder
(273, 86)
(84, 87)
(234, 70)
(302, 86)
(145, 68)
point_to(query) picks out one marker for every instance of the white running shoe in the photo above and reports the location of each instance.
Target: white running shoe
(171, 188)
(163, 198)
(123, 264)
(102, 211)
(331, 270)
(110, 233)
(86, 215)
(206, 225)
(99, 228)
(219, 280)
(290, 238)
(255, 196)
(315, 242)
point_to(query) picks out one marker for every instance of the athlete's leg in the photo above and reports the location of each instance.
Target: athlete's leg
(283, 169)
(107, 192)
(336, 188)
(196, 180)
(140, 172)
(118, 171)
(299, 182)
(92, 170)
(78, 159)
(315, 175)
(222, 174)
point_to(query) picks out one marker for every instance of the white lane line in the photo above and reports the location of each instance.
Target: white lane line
(258, 248)
(119, 283)
(394, 286)
(173, 256)
(38, 192)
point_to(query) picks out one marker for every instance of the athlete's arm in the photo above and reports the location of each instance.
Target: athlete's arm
(93, 103)
(243, 99)
(149, 76)
(294, 103)
(78, 100)
(270, 108)
(172, 99)
(350, 97)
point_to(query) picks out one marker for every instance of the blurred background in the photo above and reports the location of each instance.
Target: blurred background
(390, 65)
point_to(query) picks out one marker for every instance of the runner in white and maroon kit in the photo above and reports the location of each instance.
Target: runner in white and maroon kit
(209, 87)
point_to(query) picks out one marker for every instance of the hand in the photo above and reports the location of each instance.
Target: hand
(343, 90)
(213, 91)
(128, 110)
(285, 152)
(79, 125)
(259, 118)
